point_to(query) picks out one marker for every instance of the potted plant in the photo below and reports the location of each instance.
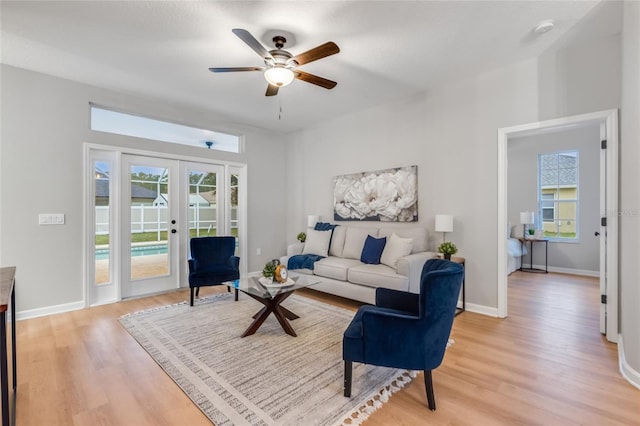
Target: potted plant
(447, 248)
(268, 270)
(302, 237)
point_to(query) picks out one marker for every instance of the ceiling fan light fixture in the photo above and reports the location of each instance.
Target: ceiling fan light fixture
(279, 76)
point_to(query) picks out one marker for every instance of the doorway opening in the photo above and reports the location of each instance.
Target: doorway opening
(608, 206)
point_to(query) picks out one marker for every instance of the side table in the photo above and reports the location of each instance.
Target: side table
(461, 261)
(531, 242)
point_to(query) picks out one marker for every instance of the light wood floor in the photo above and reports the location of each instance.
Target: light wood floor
(546, 364)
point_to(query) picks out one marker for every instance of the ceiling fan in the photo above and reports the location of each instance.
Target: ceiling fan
(281, 66)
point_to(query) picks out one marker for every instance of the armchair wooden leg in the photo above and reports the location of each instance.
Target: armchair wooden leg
(197, 291)
(347, 378)
(428, 384)
(191, 298)
(236, 292)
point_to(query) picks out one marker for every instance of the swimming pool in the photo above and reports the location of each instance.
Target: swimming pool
(103, 253)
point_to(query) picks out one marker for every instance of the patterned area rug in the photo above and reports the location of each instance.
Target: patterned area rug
(269, 378)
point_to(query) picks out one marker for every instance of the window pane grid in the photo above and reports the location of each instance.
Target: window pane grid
(558, 194)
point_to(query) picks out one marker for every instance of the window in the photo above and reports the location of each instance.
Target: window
(102, 219)
(104, 120)
(558, 194)
(548, 207)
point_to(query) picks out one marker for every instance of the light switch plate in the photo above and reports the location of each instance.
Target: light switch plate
(51, 219)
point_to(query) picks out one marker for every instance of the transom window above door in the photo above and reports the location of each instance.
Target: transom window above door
(104, 120)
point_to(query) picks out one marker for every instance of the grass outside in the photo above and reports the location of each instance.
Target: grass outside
(560, 234)
(143, 237)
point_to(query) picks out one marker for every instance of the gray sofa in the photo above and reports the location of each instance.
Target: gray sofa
(343, 274)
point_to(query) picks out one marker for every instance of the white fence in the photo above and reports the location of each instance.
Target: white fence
(155, 218)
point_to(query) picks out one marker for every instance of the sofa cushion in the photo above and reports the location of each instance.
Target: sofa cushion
(372, 250)
(317, 242)
(337, 241)
(395, 248)
(419, 236)
(334, 267)
(354, 241)
(378, 276)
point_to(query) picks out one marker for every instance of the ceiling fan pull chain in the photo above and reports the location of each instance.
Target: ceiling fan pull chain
(280, 112)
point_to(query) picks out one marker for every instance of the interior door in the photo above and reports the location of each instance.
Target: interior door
(603, 232)
(151, 225)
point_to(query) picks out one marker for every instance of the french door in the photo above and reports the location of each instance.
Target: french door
(142, 211)
(150, 218)
(206, 200)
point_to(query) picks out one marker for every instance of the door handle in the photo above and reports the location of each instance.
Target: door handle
(597, 234)
(173, 231)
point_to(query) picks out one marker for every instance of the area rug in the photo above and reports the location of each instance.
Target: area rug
(269, 378)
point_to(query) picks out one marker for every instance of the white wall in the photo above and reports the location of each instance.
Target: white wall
(45, 121)
(629, 194)
(451, 134)
(582, 255)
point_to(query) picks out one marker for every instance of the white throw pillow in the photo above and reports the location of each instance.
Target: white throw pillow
(395, 248)
(337, 241)
(354, 241)
(317, 242)
(517, 231)
(419, 236)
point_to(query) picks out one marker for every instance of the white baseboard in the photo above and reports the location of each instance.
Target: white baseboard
(480, 309)
(571, 271)
(49, 310)
(627, 372)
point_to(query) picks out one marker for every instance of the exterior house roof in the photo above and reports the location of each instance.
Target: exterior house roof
(102, 190)
(559, 170)
(210, 196)
(194, 199)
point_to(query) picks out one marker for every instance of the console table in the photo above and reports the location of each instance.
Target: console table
(531, 242)
(7, 303)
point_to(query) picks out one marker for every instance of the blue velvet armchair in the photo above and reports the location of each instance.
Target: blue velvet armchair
(406, 330)
(212, 263)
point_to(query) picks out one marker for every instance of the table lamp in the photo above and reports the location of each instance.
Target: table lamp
(312, 220)
(526, 218)
(444, 224)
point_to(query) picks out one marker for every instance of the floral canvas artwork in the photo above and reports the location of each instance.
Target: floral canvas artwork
(386, 195)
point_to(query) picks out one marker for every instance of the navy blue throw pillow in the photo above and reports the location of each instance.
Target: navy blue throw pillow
(372, 250)
(324, 226)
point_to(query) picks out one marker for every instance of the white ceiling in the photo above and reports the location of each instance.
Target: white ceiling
(388, 49)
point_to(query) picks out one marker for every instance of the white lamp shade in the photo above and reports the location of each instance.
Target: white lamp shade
(526, 218)
(444, 223)
(279, 76)
(312, 220)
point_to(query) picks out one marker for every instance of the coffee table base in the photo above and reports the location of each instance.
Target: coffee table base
(272, 305)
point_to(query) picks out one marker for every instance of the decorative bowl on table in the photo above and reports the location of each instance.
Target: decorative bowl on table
(274, 284)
